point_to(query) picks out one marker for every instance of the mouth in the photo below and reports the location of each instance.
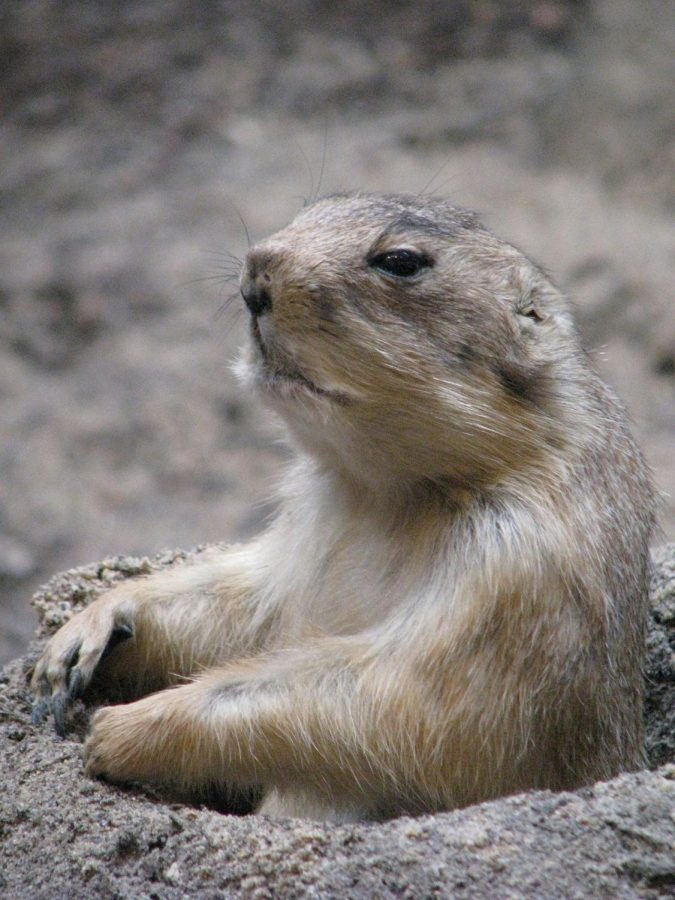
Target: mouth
(280, 376)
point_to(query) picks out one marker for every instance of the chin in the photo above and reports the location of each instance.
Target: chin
(245, 368)
(278, 389)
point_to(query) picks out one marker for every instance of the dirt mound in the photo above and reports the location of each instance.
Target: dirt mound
(63, 835)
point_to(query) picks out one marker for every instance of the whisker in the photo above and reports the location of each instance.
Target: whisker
(223, 254)
(226, 306)
(244, 225)
(222, 278)
(436, 174)
(439, 188)
(323, 163)
(305, 201)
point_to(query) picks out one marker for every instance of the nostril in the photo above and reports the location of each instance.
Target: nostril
(257, 299)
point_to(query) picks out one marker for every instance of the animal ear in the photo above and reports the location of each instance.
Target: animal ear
(529, 304)
(529, 308)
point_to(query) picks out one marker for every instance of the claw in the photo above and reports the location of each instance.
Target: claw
(75, 684)
(119, 633)
(41, 709)
(59, 706)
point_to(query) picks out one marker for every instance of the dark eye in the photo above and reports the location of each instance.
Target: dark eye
(402, 263)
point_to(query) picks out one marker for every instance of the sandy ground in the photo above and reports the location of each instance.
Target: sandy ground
(135, 139)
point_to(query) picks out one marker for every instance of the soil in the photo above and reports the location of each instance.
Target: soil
(142, 142)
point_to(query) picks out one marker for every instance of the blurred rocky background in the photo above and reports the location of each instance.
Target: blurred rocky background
(137, 138)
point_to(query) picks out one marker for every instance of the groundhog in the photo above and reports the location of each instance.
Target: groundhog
(450, 603)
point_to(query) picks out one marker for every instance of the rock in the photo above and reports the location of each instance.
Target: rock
(63, 835)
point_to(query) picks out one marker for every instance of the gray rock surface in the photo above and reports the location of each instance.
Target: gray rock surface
(62, 835)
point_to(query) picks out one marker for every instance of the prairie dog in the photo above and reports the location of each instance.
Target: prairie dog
(450, 603)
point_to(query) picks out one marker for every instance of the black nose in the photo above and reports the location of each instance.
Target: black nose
(256, 297)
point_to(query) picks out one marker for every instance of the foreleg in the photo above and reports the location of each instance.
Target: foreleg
(329, 729)
(151, 632)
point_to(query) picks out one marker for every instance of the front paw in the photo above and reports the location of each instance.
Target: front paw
(73, 655)
(130, 743)
(116, 748)
(151, 741)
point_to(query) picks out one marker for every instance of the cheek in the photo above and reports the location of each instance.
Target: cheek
(325, 310)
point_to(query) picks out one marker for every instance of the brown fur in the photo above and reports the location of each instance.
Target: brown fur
(450, 603)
